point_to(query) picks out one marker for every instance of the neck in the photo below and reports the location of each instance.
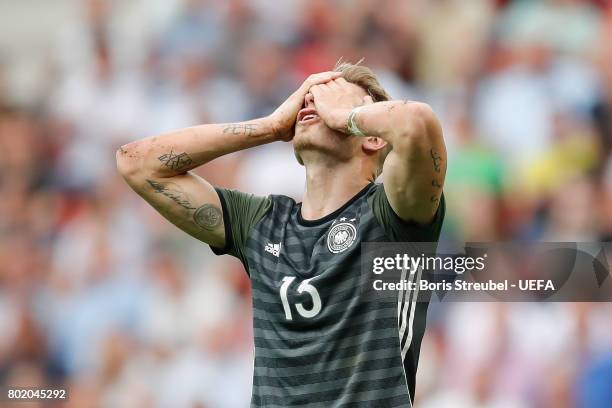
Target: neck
(329, 186)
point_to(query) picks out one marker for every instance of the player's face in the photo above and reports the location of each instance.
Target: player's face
(313, 135)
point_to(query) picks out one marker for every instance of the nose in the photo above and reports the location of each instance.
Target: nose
(308, 100)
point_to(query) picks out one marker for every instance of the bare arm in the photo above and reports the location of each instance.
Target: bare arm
(177, 152)
(415, 169)
(157, 167)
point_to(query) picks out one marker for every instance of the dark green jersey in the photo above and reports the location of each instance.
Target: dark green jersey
(319, 340)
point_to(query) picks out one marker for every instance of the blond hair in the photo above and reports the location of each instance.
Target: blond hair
(365, 78)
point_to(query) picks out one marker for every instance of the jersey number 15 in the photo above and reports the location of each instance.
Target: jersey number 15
(305, 286)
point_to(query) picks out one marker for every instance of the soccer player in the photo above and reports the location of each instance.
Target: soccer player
(319, 341)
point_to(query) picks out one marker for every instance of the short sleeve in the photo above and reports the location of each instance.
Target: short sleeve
(241, 212)
(399, 230)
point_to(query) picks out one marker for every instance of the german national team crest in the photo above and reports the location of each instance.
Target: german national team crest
(341, 236)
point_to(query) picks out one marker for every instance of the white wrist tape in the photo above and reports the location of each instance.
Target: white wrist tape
(351, 125)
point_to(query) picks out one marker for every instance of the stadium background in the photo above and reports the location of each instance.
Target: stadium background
(99, 293)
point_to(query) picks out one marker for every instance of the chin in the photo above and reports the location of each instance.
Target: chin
(302, 144)
(308, 137)
(326, 142)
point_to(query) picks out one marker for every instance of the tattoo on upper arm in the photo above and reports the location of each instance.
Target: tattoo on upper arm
(176, 161)
(240, 128)
(208, 217)
(173, 192)
(437, 159)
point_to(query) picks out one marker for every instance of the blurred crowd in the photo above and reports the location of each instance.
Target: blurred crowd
(99, 294)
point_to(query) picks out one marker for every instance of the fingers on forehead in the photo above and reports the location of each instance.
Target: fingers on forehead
(333, 84)
(315, 88)
(341, 81)
(327, 76)
(346, 84)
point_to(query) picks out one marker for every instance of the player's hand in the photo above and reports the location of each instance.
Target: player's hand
(334, 101)
(284, 117)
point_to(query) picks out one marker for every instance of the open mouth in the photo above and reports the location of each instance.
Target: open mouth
(307, 115)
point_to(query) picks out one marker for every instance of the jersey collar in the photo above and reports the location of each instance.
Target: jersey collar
(335, 214)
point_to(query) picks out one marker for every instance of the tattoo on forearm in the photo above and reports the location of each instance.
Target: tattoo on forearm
(208, 217)
(173, 192)
(434, 199)
(437, 159)
(395, 105)
(178, 162)
(435, 183)
(240, 129)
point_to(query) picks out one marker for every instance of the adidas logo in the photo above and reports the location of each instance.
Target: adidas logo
(274, 249)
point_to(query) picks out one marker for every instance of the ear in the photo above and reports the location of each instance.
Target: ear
(371, 145)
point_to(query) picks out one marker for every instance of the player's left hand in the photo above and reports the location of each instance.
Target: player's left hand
(334, 101)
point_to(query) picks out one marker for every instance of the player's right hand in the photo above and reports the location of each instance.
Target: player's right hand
(284, 117)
